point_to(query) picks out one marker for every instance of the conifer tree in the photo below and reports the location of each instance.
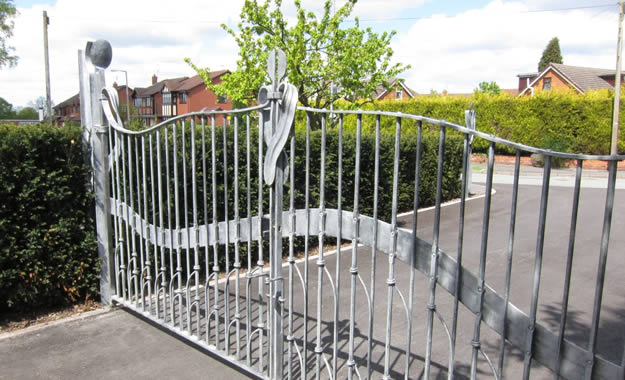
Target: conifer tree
(551, 54)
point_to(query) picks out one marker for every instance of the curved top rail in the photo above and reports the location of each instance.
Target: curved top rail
(463, 129)
(180, 117)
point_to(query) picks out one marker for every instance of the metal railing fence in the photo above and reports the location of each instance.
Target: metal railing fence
(194, 212)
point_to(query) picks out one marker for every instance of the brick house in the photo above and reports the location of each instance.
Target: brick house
(68, 110)
(172, 97)
(397, 90)
(559, 76)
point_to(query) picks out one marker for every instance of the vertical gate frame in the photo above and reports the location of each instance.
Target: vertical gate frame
(91, 63)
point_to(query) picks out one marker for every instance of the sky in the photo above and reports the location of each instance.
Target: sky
(451, 45)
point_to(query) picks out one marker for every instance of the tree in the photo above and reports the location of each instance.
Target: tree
(7, 13)
(40, 103)
(27, 113)
(6, 110)
(319, 54)
(551, 54)
(489, 88)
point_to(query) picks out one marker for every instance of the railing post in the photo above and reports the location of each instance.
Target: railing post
(283, 101)
(91, 63)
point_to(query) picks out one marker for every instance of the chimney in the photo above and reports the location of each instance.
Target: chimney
(154, 79)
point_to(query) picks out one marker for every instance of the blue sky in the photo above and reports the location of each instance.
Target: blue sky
(451, 45)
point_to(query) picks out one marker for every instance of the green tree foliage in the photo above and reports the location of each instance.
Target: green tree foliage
(319, 53)
(489, 88)
(27, 113)
(551, 54)
(7, 13)
(6, 110)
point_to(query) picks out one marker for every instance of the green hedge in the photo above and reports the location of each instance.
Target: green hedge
(579, 123)
(47, 243)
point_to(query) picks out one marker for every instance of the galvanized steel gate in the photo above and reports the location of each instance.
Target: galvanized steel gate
(179, 203)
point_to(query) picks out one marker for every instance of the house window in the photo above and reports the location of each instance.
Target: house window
(137, 102)
(547, 84)
(221, 99)
(183, 98)
(167, 98)
(398, 93)
(148, 101)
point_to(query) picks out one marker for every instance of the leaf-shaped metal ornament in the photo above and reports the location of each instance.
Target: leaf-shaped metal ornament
(271, 67)
(276, 66)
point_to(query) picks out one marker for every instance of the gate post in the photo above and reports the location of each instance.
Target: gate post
(91, 63)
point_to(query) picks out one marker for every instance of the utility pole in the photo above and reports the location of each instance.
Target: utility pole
(617, 83)
(46, 22)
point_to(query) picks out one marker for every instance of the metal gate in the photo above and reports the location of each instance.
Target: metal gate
(217, 227)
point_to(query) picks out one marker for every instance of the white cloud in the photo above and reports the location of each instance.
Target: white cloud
(497, 42)
(147, 37)
(446, 52)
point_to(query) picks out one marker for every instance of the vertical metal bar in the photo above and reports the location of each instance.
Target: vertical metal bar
(482, 268)
(248, 166)
(320, 258)
(603, 259)
(161, 222)
(215, 232)
(176, 294)
(513, 207)
(390, 282)
(204, 199)
(569, 266)
(169, 202)
(275, 260)
(431, 306)
(374, 248)
(466, 162)
(196, 234)
(413, 257)
(185, 198)
(133, 221)
(291, 261)
(144, 227)
(227, 233)
(155, 224)
(306, 247)
(120, 210)
(205, 215)
(139, 229)
(170, 264)
(540, 239)
(133, 227)
(123, 267)
(351, 363)
(339, 234)
(260, 263)
(237, 237)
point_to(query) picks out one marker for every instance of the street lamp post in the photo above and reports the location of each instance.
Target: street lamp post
(127, 98)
